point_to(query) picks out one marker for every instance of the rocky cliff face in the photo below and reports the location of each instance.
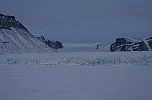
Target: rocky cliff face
(15, 38)
(52, 44)
(124, 44)
(149, 42)
(8, 22)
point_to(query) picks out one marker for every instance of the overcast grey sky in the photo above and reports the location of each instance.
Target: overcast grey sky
(83, 20)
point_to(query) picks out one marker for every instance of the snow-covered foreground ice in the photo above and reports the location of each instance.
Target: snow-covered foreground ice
(80, 75)
(57, 82)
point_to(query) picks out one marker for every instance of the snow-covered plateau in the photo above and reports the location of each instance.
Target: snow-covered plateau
(82, 74)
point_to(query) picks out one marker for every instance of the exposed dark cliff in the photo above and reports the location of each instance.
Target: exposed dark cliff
(150, 42)
(6, 22)
(52, 44)
(124, 44)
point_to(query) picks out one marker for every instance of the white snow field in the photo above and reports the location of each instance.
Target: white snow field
(51, 82)
(76, 75)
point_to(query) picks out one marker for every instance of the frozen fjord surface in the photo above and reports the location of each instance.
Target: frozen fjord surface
(57, 82)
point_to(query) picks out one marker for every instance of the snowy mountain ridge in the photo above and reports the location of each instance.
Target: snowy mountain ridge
(15, 38)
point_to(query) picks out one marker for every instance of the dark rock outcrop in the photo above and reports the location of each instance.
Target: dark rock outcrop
(6, 22)
(123, 44)
(150, 42)
(52, 44)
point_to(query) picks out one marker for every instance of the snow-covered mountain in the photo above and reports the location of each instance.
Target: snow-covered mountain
(15, 38)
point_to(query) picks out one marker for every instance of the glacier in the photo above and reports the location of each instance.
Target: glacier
(79, 58)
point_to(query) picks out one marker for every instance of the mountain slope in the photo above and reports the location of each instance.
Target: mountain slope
(124, 44)
(15, 38)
